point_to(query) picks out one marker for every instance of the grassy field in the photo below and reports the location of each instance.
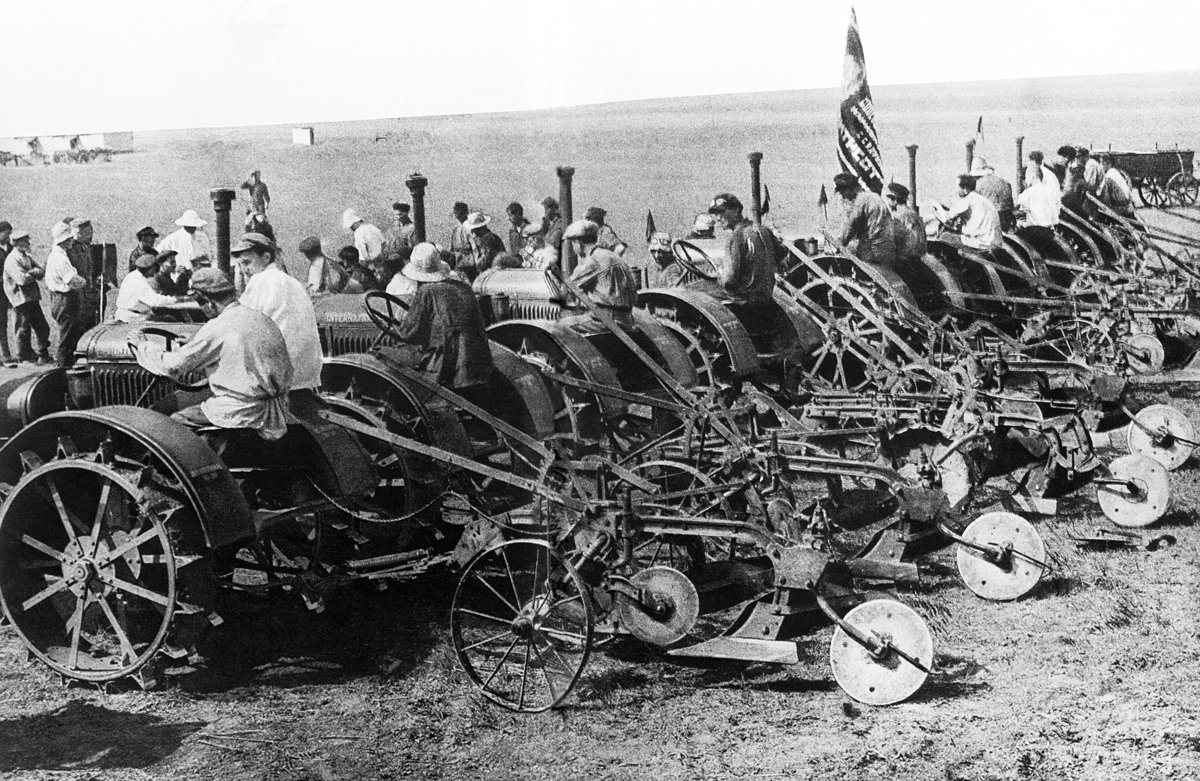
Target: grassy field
(1095, 676)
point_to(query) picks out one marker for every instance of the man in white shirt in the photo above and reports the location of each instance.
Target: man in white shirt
(980, 220)
(367, 238)
(1038, 202)
(21, 275)
(190, 242)
(243, 355)
(136, 298)
(325, 275)
(64, 284)
(281, 297)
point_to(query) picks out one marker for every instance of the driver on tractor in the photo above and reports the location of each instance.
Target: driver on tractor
(601, 274)
(665, 271)
(243, 355)
(747, 272)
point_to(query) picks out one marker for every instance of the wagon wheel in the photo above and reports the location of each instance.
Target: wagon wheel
(694, 259)
(1184, 188)
(94, 579)
(522, 626)
(1153, 193)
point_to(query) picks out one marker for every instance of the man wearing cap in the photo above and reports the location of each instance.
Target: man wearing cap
(145, 237)
(907, 228)
(665, 271)
(21, 275)
(368, 239)
(325, 275)
(608, 237)
(553, 227)
(705, 227)
(485, 245)
(136, 298)
(516, 227)
(6, 247)
(1037, 205)
(189, 242)
(260, 197)
(80, 253)
(747, 272)
(980, 220)
(443, 331)
(168, 280)
(460, 240)
(601, 274)
(243, 355)
(281, 297)
(995, 189)
(64, 283)
(403, 234)
(867, 229)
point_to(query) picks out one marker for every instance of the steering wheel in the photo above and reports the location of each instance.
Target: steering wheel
(170, 339)
(386, 312)
(694, 259)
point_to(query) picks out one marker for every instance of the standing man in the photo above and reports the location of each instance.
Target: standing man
(867, 229)
(401, 235)
(980, 220)
(552, 228)
(325, 275)
(485, 245)
(64, 284)
(6, 247)
(6, 241)
(460, 240)
(907, 229)
(601, 274)
(21, 275)
(608, 237)
(136, 298)
(368, 239)
(80, 253)
(443, 331)
(260, 198)
(281, 297)
(995, 189)
(189, 242)
(145, 237)
(244, 356)
(516, 228)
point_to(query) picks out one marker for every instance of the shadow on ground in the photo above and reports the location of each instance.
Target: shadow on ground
(81, 736)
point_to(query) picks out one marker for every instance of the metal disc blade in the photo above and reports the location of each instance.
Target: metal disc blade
(681, 600)
(890, 679)
(1125, 508)
(1144, 352)
(1163, 433)
(1017, 576)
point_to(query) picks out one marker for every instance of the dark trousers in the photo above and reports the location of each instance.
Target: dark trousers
(4, 307)
(64, 308)
(31, 319)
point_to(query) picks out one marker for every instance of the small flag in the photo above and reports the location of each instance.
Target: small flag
(766, 205)
(858, 143)
(823, 205)
(650, 230)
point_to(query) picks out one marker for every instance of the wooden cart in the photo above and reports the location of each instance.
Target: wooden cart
(1162, 178)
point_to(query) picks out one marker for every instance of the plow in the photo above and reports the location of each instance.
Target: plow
(712, 458)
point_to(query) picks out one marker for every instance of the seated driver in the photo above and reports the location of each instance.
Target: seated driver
(747, 272)
(666, 270)
(602, 274)
(443, 330)
(243, 355)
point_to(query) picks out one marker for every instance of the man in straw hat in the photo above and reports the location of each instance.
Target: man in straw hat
(368, 239)
(190, 242)
(995, 189)
(64, 283)
(21, 275)
(485, 245)
(867, 229)
(601, 274)
(136, 298)
(443, 331)
(241, 352)
(282, 297)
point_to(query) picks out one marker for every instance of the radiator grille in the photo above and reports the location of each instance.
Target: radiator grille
(126, 384)
(344, 339)
(534, 310)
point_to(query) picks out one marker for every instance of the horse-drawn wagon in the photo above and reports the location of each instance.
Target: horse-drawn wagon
(1162, 178)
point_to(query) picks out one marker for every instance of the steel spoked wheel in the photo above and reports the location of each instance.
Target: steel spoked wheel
(522, 625)
(1077, 338)
(1153, 193)
(89, 576)
(1184, 188)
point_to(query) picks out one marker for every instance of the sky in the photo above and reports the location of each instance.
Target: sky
(93, 65)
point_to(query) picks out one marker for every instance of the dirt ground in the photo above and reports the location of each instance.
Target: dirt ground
(1093, 677)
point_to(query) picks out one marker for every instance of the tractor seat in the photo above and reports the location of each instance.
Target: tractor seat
(243, 447)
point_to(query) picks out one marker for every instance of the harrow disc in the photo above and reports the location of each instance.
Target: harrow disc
(1020, 571)
(1163, 433)
(675, 608)
(522, 626)
(1143, 495)
(1144, 352)
(889, 678)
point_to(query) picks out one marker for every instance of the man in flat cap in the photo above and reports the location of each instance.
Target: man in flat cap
(281, 297)
(907, 228)
(6, 246)
(21, 275)
(325, 275)
(243, 355)
(747, 272)
(402, 233)
(136, 298)
(867, 229)
(64, 283)
(146, 238)
(79, 250)
(608, 237)
(516, 226)
(602, 275)
(260, 199)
